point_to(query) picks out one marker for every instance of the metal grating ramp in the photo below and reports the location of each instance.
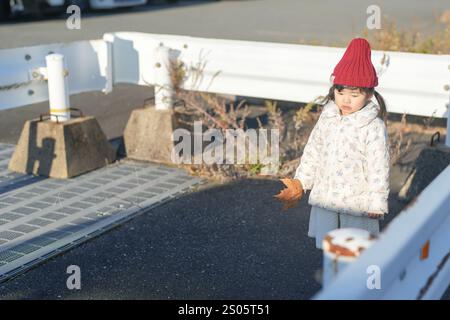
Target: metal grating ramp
(41, 217)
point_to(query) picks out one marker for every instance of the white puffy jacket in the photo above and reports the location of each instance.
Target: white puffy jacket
(346, 162)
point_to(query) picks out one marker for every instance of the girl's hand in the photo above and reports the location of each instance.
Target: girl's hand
(290, 195)
(374, 215)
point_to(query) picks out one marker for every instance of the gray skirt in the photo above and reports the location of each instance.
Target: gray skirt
(322, 221)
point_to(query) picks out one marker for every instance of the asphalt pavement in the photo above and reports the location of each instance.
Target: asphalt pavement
(286, 21)
(222, 242)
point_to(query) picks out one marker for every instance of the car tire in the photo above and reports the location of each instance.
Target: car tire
(5, 10)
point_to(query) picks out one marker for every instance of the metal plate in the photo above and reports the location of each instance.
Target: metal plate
(40, 216)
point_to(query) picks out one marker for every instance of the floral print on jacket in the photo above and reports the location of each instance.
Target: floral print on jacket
(345, 162)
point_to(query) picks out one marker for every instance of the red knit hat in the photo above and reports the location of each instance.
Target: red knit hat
(355, 68)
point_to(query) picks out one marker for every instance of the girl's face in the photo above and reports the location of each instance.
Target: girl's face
(350, 100)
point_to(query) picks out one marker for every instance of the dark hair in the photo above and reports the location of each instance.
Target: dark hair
(382, 114)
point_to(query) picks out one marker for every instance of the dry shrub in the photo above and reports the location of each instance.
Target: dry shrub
(392, 38)
(215, 112)
(398, 145)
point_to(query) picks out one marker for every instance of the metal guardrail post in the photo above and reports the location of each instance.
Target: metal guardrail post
(341, 247)
(58, 89)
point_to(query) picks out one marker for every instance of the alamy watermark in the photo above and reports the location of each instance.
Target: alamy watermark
(374, 279)
(374, 20)
(73, 22)
(230, 146)
(74, 280)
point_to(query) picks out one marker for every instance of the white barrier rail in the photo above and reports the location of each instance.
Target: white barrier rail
(21, 82)
(413, 83)
(397, 253)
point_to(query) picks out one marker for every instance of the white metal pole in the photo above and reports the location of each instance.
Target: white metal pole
(164, 92)
(58, 89)
(342, 247)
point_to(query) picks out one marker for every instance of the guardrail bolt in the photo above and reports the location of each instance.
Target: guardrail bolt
(27, 57)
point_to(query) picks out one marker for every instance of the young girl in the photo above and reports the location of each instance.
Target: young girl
(345, 162)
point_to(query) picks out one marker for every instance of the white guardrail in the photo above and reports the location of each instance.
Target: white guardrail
(404, 274)
(417, 84)
(413, 83)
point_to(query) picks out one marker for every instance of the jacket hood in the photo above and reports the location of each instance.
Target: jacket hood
(360, 118)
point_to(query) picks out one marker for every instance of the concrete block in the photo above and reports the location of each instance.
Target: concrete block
(148, 135)
(61, 150)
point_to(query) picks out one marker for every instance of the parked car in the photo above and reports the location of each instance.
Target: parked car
(106, 4)
(39, 8)
(5, 10)
(42, 7)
